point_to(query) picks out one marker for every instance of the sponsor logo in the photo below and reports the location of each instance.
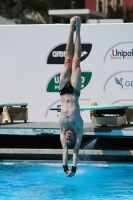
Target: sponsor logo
(125, 84)
(121, 51)
(53, 85)
(121, 54)
(119, 82)
(57, 55)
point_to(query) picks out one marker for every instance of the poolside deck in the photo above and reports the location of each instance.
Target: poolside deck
(40, 141)
(44, 128)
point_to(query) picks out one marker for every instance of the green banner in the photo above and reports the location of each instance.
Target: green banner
(53, 85)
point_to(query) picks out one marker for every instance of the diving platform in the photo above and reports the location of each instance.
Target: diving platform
(10, 112)
(53, 128)
(118, 114)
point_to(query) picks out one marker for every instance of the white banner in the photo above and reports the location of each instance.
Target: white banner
(31, 58)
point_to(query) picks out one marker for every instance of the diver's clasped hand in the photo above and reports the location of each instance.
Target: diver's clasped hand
(71, 172)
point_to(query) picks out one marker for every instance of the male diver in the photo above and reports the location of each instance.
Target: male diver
(71, 123)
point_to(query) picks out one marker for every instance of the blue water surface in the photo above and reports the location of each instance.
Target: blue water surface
(47, 181)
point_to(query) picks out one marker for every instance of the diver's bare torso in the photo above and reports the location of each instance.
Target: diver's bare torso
(70, 117)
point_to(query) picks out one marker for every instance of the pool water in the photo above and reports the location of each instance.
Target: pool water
(47, 181)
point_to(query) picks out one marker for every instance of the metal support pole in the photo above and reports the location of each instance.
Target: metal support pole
(87, 17)
(72, 4)
(50, 19)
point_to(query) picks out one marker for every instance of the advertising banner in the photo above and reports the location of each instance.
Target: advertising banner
(32, 56)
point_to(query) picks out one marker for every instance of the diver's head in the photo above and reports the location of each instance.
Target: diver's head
(70, 138)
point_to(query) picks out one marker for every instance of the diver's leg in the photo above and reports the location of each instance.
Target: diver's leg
(76, 72)
(67, 68)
